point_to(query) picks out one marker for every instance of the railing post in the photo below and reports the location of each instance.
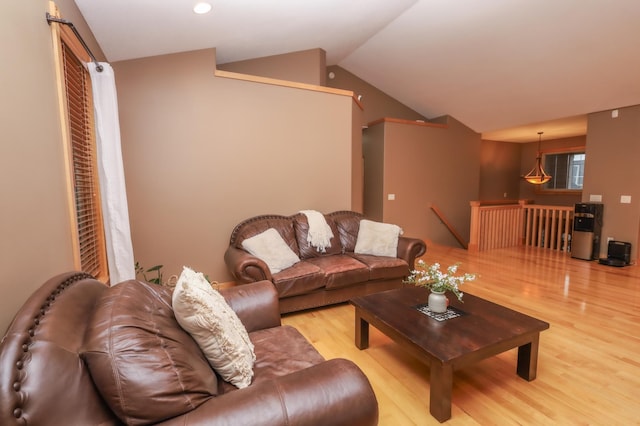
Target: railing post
(524, 221)
(474, 237)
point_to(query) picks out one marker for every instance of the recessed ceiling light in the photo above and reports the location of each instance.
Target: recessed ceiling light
(202, 8)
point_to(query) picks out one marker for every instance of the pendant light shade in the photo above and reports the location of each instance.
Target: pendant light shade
(537, 175)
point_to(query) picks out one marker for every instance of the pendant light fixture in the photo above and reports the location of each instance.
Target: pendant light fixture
(537, 175)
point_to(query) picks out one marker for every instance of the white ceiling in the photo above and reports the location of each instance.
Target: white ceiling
(494, 65)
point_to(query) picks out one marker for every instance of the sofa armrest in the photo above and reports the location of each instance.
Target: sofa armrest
(244, 267)
(411, 248)
(335, 392)
(256, 304)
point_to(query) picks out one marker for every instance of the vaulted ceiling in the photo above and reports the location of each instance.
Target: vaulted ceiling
(505, 68)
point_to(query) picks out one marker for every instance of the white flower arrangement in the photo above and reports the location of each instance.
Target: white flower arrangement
(431, 277)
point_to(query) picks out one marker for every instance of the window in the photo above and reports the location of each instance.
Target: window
(80, 146)
(566, 169)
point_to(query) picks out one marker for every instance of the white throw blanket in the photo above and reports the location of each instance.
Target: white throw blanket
(320, 233)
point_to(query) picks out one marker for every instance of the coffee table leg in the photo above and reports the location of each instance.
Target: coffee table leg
(528, 359)
(440, 392)
(362, 332)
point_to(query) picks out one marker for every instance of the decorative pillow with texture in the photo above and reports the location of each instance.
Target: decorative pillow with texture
(270, 247)
(379, 239)
(203, 313)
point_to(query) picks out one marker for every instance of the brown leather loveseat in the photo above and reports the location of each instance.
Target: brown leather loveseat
(157, 374)
(320, 278)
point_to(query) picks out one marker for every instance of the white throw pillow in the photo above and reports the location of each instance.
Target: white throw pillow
(270, 247)
(203, 313)
(379, 239)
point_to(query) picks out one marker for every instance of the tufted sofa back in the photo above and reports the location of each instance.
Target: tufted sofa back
(255, 225)
(42, 378)
(294, 229)
(348, 224)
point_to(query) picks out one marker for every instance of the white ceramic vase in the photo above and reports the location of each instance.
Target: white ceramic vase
(437, 302)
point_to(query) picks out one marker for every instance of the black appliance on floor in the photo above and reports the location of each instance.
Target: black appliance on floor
(618, 254)
(587, 227)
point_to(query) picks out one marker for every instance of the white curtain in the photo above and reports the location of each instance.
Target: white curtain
(113, 192)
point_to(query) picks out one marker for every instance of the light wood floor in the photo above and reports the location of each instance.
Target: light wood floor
(589, 360)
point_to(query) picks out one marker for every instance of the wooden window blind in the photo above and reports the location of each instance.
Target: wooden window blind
(88, 214)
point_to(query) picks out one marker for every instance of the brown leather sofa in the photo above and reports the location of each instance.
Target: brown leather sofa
(161, 376)
(320, 279)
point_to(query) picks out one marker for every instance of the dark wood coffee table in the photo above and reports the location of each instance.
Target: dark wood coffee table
(484, 329)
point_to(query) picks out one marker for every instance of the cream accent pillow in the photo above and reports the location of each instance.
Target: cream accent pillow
(379, 239)
(203, 313)
(269, 247)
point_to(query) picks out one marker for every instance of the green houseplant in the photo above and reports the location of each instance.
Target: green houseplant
(157, 269)
(158, 279)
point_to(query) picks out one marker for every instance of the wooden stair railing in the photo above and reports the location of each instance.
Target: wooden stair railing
(509, 223)
(449, 226)
(548, 226)
(496, 224)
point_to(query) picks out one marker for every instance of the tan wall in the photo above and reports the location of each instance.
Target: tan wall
(528, 160)
(376, 103)
(35, 241)
(357, 157)
(504, 163)
(611, 170)
(307, 66)
(426, 166)
(500, 170)
(373, 151)
(202, 153)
